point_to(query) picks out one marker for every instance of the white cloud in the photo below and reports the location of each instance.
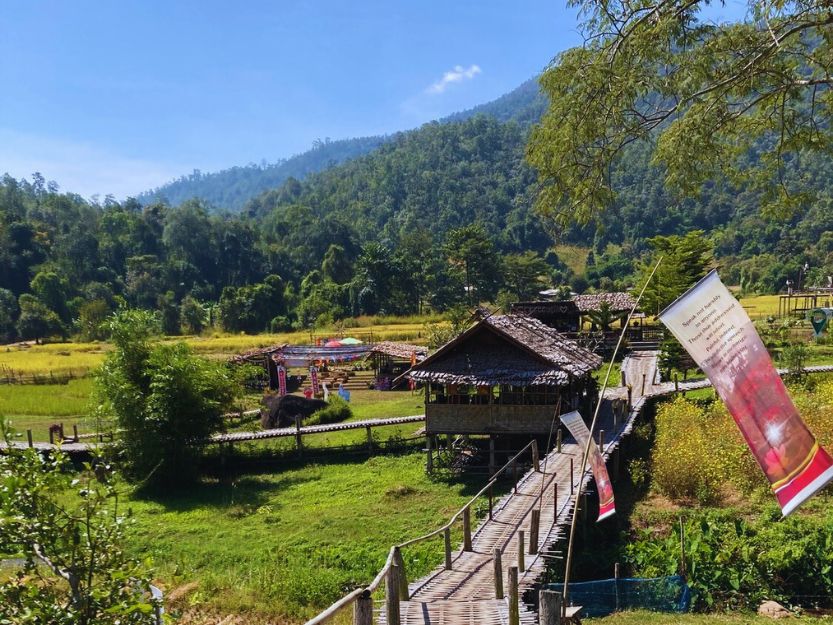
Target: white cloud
(458, 74)
(81, 168)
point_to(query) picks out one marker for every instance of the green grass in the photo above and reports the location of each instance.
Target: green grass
(574, 257)
(287, 544)
(35, 407)
(642, 617)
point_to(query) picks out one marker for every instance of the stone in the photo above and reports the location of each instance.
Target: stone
(773, 609)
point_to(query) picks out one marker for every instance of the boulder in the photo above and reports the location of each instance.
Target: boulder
(773, 609)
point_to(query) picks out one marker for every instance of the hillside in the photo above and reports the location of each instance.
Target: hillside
(229, 189)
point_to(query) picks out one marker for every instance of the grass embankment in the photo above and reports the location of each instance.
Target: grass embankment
(287, 544)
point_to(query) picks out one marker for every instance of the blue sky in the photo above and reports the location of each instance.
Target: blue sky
(118, 97)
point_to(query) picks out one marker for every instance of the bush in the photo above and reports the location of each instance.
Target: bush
(280, 323)
(338, 410)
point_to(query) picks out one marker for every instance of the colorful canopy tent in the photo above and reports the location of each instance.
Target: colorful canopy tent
(350, 341)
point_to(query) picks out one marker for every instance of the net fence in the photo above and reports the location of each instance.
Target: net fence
(603, 597)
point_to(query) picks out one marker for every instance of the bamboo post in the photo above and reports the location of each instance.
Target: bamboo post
(369, 441)
(676, 383)
(558, 440)
(392, 595)
(534, 523)
(467, 529)
(447, 540)
(571, 476)
(630, 398)
(616, 583)
(75, 432)
(29, 437)
(549, 607)
(521, 563)
(51, 436)
(498, 565)
(535, 460)
(403, 576)
(644, 376)
(363, 611)
(429, 460)
(514, 608)
(554, 501)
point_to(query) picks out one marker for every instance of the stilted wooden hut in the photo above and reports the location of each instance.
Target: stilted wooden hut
(505, 375)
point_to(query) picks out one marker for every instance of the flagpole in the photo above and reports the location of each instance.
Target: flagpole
(586, 453)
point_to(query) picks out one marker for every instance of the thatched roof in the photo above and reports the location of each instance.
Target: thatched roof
(618, 302)
(400, 350)
(507, 349)
(256, 355)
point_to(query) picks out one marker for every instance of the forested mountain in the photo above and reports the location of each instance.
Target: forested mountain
(229, 189)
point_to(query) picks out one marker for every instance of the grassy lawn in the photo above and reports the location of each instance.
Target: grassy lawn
(760, 306)
(286, 544)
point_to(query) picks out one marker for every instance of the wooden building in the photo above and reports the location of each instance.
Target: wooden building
(505, 375)
(569, 315)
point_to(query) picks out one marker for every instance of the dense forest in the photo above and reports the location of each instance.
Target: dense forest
(429, 220)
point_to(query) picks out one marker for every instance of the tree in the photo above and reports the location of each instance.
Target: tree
(523, 274)
(472, 250)
(8, 315)
(69, 532)
(709, 95)
(52, 290)
(602, 318)
(91, 318)
(685, 259)
(192, 316)
(37, 321)
(164, 400)
(336, 265)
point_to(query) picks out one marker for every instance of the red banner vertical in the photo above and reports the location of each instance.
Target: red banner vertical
(578, 428)
(313, 376)
(718, 334)
(281, 380)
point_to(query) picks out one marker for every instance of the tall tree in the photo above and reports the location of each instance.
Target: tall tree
(472, 250)
(709, 94)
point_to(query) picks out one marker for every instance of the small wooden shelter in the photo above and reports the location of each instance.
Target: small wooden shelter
(390, 360)
(505, 375)
(569, 315)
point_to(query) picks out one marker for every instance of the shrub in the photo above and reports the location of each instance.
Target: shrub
(338, 410)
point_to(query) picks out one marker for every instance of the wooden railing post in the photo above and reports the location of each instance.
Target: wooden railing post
(404, 595)
(75, 432)
(630, 399)
(549, 607)
(558, 440)
(515, 475)
(447, 540)
(363, 610)
(644, 376)
(571, 476)
(534, 523)
(429, 460)
(536, 466)
(466, 529)
(392, 595)
(498, 564)
(299, 443)
(555, 501)
(521, 563)
(51, 436)
(369, 441)
(29, 437)
(623, 378)
(514, 608)
(676, 383)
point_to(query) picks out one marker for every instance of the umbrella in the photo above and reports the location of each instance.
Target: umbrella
(333, 344)
(350, 341)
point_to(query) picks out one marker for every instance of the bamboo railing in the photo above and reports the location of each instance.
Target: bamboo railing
(393, 571)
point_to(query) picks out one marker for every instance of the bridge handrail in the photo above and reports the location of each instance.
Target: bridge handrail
(348, 599)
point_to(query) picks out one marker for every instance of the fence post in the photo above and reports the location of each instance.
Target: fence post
(363, 610)
(75, 432)
(466, 529)
(555, 501)
(549, 607)
(429, 460)
(51, 436)
(644, 375)
(630, 398)
(404, 595)
(392, 595)
(29, 437)
(558, 440)
(521, 563)
(571, 476)
(535, 461)
(534, 523)
(498, 564)
(447, 540)
(616, 583)
(676, 383)
(514, 609)
(369, 441)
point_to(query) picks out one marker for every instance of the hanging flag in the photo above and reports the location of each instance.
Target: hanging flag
(281, 381)
(718, 334)
(313, 376)
(578, 428)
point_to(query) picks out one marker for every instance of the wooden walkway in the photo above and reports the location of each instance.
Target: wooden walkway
(465, 595)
